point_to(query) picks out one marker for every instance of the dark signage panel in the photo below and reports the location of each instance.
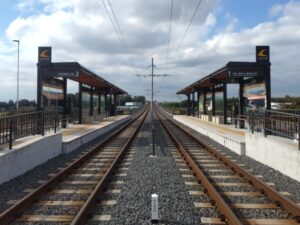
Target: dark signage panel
(237, 74)
(60, 73)
(262, 54)
(44, 55)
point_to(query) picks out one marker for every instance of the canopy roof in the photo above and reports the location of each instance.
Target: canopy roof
(79, 73)
(233, 72)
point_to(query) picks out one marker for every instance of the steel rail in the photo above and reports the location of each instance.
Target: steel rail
(279, 199)
(86, 210)
(17, 209)
(218, 201)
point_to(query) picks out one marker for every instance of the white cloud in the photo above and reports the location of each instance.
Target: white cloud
(80, 31)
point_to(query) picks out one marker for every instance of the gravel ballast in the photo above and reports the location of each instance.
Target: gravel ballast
(14, 189)
(149, 175)
(282, 182)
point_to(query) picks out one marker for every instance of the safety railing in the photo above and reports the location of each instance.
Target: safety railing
(22, 125)
(276, 123)
(15, 112)
(291, 111)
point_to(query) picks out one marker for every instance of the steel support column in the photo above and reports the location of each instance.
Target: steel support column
(110, 104)
(115, 105)
(99, 102)
(39, 87)
(225, 102)
(268, 85)
(91, 101)
(105, 102)
(198, 102)
(213, 101)
(193, 103)
(80, 104)
(65, 103)
(188, 105)
(241, 98)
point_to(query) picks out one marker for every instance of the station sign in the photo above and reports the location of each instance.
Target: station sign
(262, 54)
(61, 73)
(45, 55)
(241, 74)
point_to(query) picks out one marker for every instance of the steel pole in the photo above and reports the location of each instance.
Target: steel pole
(18, 75)
(18, 66)
(152, 124)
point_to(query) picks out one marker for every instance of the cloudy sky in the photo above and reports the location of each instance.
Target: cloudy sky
(80, 30)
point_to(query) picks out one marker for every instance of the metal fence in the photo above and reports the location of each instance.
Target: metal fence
(292, 111)
(277, 123)
(7, 113)
(26, 124)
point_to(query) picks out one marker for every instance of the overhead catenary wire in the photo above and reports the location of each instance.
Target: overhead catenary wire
(188, 27)
(118, 32)
(118, 26)
(170, 28)
(114, 26)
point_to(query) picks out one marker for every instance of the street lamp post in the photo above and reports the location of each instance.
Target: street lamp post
(17, 103)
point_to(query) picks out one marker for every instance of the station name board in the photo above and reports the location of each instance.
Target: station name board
(236, 74)
(57, 73)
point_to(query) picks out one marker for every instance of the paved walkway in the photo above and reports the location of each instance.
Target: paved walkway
(228, 131)
(75, 130)
(72, 131)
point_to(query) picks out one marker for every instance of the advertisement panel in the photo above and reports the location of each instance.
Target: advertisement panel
(219, 103)
(95, 103)
(201, 101)
(209, 103)
(255, 96)
(86, 98)
(52, 94)
(102, 102)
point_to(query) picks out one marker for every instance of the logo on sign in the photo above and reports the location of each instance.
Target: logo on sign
(45, 55)
(262, 54)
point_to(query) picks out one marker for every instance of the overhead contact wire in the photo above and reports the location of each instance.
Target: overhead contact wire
(118, 32)
(188, 27)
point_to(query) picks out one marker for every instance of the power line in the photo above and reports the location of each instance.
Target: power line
(115, 28)
(170, 26)
(118, 26)
(119, 32)
(194, 14)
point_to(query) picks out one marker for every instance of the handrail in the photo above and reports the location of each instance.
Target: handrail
(275, 122)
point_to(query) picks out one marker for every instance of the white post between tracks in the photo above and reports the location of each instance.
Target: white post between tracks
(154, 208)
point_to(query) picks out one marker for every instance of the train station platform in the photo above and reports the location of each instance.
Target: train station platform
(226, 135)
(31, 151)
(279, 153)
(78, 134)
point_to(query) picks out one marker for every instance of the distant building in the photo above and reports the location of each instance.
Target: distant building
(133, 105)
(280, 105)
(129, 106)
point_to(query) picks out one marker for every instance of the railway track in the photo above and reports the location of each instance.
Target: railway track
(79, 193)
(221, 187)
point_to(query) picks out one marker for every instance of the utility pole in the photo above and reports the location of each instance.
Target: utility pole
(18, 65)
(152, 122)
(151, 105)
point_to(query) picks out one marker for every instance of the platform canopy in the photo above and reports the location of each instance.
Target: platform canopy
(232, 72)
(75, 71)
